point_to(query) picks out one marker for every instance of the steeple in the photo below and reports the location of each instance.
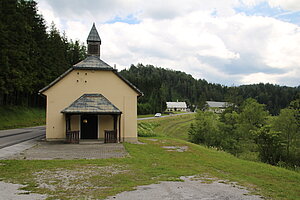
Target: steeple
(93, 42)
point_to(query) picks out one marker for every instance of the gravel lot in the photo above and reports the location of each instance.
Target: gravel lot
(84, 150)
(188, 190)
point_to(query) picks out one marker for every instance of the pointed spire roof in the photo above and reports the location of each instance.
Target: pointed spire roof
(94, 36)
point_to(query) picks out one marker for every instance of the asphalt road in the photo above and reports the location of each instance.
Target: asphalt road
(15, 136)
(166, 116)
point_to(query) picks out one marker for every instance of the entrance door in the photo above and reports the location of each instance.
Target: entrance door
(89, 127)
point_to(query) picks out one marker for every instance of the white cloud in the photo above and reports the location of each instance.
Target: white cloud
(292, 5)
(259, 78)
(286, 4)
(47, 11)
(283, 50)
(204, 38)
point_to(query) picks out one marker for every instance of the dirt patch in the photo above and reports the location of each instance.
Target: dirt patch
(153, 140)
(138, 142)
(189, 189)
(76, 182)
(176, 148)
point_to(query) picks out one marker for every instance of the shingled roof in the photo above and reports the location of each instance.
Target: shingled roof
(94, 36)
(216, 104)
(92, 104)
(92, 62)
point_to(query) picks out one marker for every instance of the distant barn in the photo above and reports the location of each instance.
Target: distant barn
(176, 106)
(216, 106)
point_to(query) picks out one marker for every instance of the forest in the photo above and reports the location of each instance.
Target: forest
(32, 55)
(160, 85)
(251, 133)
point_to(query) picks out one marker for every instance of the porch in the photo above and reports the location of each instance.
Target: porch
(92, 116)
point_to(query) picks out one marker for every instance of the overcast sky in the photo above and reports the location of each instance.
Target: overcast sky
(231, 42)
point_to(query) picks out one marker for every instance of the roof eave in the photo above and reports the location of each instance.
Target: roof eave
(98, 113)
(93, 68)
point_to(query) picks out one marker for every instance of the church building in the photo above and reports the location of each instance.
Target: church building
(91, 100)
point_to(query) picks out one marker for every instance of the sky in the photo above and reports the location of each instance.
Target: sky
(230, 42)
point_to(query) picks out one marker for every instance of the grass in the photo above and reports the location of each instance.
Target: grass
(18, 117)
(149, 163)
(174, 126)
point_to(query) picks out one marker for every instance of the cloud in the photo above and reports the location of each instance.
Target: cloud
(207, 39)
(292, 5)
(286, 4)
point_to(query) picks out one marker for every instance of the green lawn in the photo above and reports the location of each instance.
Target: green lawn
(148, 163)
(17, 117)
(174, 126)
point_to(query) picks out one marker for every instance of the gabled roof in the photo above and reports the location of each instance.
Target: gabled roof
(176, 105)
(92, 63)
(93, 35)
(216, 104)
(92, 104)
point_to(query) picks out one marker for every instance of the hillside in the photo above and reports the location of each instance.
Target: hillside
(149, 162)
(18, 117)
(160, 85)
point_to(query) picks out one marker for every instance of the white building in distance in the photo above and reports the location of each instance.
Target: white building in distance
(216, 107)
(176, 106)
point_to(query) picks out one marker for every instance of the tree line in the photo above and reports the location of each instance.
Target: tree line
(31, 56)
(250, 132)
(160, 85)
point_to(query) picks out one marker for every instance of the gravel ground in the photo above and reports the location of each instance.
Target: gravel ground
(11, 191)
(187, 190)
(84, 150)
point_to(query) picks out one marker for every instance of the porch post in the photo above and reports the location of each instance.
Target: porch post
(115, 126)
(120, 128)
(68, 122)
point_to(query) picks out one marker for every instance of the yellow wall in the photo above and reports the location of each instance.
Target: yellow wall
(75, 120)
(106, 122)
(79, 82)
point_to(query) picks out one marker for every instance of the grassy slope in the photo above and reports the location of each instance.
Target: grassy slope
(150, 163)
(175, 127)
(17, 117)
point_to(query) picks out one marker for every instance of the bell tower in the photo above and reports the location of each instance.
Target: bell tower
(93, 42)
